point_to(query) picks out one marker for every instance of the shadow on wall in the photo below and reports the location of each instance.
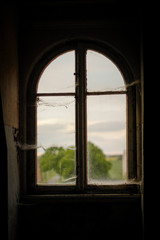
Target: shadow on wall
(81, 220)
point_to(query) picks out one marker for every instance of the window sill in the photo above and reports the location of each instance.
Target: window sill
(49, 199)
(127, 192)
(125, 188)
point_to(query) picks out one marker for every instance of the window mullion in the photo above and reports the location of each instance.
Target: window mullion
(81, 115)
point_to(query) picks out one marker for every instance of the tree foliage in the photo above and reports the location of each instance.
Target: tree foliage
(60, 159)
(63, 162)
(98, 166)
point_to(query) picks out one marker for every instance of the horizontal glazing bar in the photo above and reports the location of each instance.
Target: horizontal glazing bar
(106, 93)
(54, 94)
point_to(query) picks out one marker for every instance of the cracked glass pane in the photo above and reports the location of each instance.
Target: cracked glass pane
(56, 161)
(106, 135)
(102, 74)
(58, 76)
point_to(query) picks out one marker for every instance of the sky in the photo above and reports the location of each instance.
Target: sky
(106, 115)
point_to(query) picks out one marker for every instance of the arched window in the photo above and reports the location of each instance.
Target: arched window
(82, 121)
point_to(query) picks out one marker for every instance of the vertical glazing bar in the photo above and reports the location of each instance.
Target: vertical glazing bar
(77, 117)
(81, 115)
(131, 134)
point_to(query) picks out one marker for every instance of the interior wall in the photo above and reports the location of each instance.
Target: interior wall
(103, 218)
(9, 68)
(39, 29)
(47, 26)
(9, 97)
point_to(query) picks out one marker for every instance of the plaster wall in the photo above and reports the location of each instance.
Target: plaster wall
(9, 97)
(9, 68)
(25, 38)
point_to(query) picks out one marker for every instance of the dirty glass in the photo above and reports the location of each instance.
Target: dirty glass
(58, 76)
(106, 124)
(56, 140)
(102, 74)
(106, 121)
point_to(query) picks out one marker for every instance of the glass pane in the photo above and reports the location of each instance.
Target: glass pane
(106, 139)
(102, 74)
(56, 160)
(58, 76)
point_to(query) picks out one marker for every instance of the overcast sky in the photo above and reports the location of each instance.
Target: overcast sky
(106, 115)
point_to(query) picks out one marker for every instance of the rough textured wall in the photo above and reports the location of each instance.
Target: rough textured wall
(13, 183)
(71, 219)
(9, 97)
(9, 69)
(82, 219)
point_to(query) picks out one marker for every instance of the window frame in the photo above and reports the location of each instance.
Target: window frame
(80, 46)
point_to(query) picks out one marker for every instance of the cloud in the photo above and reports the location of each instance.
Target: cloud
(106, 126)
(110, 136)
(111, 142)
(48, 121)
(58, 75)
(50, 127)
(58, 134)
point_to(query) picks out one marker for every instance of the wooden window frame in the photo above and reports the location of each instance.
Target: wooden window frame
(81, 187)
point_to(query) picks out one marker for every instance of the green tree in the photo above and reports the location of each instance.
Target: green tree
(62, 161)
(51, 158)
(98, 166)
(67, 164)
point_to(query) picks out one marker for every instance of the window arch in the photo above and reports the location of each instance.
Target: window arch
(82, 92)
